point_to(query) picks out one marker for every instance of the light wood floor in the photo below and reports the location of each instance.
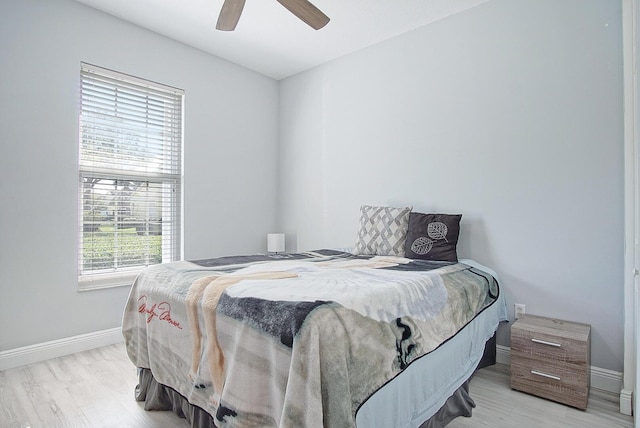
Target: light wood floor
(95, 389)
(498, 406)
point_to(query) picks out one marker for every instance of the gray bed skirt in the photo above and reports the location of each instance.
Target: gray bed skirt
(160, 397)
(157, 396)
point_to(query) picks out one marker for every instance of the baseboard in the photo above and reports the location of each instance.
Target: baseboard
(503, 355)
(602, 379)
(58, 348)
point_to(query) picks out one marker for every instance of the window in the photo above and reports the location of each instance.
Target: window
(130, 176)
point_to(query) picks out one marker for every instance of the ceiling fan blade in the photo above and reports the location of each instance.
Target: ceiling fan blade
(230, 15)
(306, 12)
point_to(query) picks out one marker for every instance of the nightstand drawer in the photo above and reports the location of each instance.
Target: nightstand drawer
(564, 383)
(548, 347)
(540, 371)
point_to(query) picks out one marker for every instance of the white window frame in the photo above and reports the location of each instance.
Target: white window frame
(168, 177)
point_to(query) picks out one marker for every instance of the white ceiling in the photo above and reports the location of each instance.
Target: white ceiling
(272, 41)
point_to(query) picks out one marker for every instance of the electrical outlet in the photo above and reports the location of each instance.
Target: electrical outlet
(519, 310)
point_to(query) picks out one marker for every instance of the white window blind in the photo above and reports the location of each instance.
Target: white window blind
(130, 176)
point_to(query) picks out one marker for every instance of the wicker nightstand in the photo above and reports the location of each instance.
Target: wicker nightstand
(551, 358)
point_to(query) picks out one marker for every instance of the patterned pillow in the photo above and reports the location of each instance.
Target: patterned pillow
(433, 236)
(383, 231)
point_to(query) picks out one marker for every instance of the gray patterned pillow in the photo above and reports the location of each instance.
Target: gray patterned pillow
(383, 231)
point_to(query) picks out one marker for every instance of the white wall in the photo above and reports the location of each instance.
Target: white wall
(231, 137)
(509, 113)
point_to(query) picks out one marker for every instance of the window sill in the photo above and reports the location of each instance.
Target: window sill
(98, 282)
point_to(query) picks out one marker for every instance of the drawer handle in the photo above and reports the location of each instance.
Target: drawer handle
(544, 342)
(544, 375)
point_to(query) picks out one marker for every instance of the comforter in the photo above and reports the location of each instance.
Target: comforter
(299, 340)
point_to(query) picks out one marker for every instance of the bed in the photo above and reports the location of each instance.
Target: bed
(314, 339)
(386, 334)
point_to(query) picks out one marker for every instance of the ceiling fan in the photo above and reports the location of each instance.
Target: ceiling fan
(311, 15)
